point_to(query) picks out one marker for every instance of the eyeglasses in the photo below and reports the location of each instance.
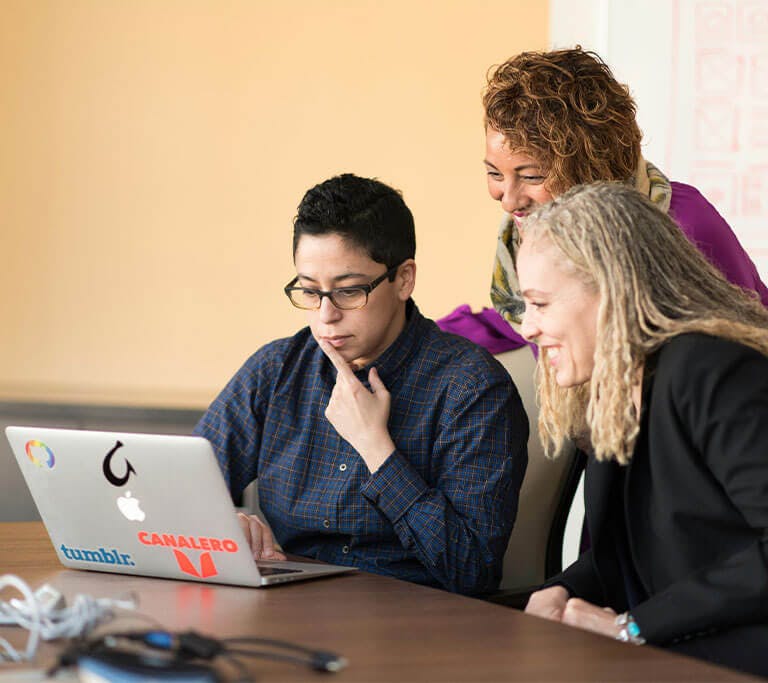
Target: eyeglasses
(345, 298)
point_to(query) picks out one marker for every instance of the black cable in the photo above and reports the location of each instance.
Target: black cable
(265, 654)
(316, 659)
(190, 645)
(271, 642)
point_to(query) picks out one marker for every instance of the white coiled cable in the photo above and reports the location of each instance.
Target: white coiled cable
(45, 615)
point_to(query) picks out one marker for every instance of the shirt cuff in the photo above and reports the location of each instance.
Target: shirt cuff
(394, 487)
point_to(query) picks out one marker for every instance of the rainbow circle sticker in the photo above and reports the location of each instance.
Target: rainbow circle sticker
(34, 449)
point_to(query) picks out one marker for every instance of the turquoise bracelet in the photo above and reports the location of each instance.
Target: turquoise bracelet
(630, 631)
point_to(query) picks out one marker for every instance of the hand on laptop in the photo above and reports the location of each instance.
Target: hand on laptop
(360, 416)
(259, 537)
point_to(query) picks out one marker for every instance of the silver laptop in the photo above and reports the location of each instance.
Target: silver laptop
(142, 504)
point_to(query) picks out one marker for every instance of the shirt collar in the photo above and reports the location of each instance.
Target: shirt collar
(397, 353)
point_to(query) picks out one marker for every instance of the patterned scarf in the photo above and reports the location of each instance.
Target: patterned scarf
(505, 289)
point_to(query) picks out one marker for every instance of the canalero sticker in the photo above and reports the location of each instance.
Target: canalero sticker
(207, 567)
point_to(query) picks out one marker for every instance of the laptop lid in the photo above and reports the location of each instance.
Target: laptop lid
(144, 504)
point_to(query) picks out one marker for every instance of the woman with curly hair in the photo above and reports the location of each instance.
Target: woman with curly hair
(651, 354)
(558, 119)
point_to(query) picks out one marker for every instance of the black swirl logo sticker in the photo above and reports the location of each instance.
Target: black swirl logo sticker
(111, 477)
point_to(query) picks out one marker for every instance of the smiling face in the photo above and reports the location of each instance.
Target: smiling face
(560, 312)
(327, 261)
(514, 179)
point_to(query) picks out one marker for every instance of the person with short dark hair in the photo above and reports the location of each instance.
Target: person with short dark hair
(558, 119)
(377, 440)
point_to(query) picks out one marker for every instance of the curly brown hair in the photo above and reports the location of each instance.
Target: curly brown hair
(565, 109)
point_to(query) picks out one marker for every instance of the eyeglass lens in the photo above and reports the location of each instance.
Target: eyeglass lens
(346, 298)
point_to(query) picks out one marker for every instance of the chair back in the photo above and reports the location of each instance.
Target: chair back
(534, 552)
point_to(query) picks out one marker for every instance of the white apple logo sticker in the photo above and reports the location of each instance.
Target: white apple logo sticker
(130, 509)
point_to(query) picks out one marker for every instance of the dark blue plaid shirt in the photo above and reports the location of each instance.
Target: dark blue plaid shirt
(438, 512)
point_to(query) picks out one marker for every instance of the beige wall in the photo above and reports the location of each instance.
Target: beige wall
(153, 152)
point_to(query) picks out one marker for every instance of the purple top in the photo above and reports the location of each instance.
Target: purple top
(708, 231)
(486, 328)
(700, 223)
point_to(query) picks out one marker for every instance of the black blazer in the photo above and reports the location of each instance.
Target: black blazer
(695, 497)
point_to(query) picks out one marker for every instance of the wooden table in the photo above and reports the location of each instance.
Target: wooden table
(388, 630)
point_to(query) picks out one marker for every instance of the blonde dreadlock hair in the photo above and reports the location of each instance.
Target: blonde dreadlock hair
(653, 284)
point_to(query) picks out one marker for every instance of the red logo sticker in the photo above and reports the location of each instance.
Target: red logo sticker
(207, 567)
(208, 545)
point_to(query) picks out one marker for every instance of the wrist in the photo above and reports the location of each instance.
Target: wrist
(376, 454)
(629, 631)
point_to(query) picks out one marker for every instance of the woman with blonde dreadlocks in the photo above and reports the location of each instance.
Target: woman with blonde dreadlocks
(647, 351)
(558, 119)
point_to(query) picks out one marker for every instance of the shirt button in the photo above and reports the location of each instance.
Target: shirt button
(345, 549)
(326, 523)
(343, 466)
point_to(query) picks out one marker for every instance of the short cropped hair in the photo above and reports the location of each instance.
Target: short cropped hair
(565, 109)
(364, 212)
